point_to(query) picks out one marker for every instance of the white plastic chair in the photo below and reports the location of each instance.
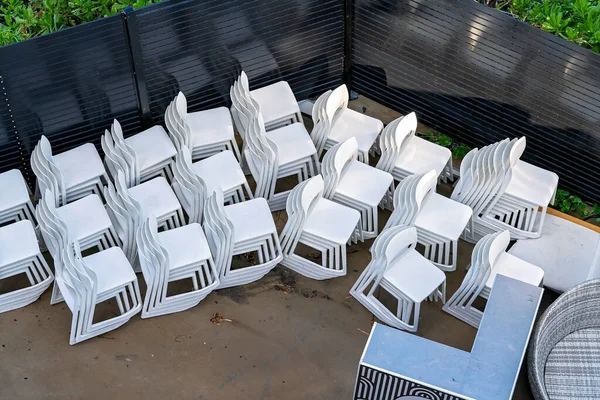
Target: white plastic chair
(20, 254)
(156, 196)
(402, 272)
(221, 171)
(205, 133)
(321, 224)
(276, 102)
(78, 171)
(355, 184)
(344, 123)
(15, 200)
(152, 151)
(88, 281)
(439, 221)
(403, 153)
(170, 256)
(86, 221)
(277, 154)
(489, 259)
(237, 229)
(486, 178)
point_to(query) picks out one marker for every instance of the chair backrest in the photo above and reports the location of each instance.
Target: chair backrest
(219, 233)
(127, 153)
(426, 185)
(517, 150)
(54, 230)
(337, 100)
(189, 187)
(403, 239)
(318, 110)
(311, 192)
(498, 246)
(406, 126)
(48, 159)
(334, 163)
(122, 220)
(45, 177)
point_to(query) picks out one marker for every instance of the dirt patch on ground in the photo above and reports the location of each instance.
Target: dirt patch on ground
(311, 294)
(239, 294)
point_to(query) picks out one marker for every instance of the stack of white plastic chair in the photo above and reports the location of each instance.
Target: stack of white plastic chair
(321, 224)
(88, 281)
(277, 154)
(355, 184)
(221, 169)
(403, 153)
(83, 282)
(86, 220)
(504, 192)
(155, 195)
(205, 133)
(294, 147)
(276, 102)
(489, 259)
(439, 220)
(174, 255)
(15, 200)
(78, 172)
(124, 222)
(238, 229)
(342, 123)
(148, 154)
(20, 254)
(404, 273)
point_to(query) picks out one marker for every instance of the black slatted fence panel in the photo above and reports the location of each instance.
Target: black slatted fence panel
(199, 47)
(69, 86)
(480, 75)
(10, 149)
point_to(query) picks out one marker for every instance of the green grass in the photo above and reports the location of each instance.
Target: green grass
(23, 19)
(575, 20)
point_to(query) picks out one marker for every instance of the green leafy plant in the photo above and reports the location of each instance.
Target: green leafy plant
(568, 203)
(23, 19)
(459, 150)
(574, 20)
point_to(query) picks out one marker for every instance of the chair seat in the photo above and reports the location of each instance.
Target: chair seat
(152, 147)
(156, 197)
(111, 268)
(414, 275)
(514, 267)
(364, 183)
(351, 123)
(210, 126)
(573, 366)
(85, 217)
(17, 242)
(419, 156)
(293, 143)
(79, 165)
(221, 170)
(250, 219)
(15, 192)
(331, 221)
(185, 245)
(443, 216)
(532, 184)
(276, 101)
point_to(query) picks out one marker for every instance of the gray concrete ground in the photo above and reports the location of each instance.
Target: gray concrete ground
(284, 337)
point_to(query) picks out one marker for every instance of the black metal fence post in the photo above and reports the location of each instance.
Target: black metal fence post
(348, 22)
(131, 29)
